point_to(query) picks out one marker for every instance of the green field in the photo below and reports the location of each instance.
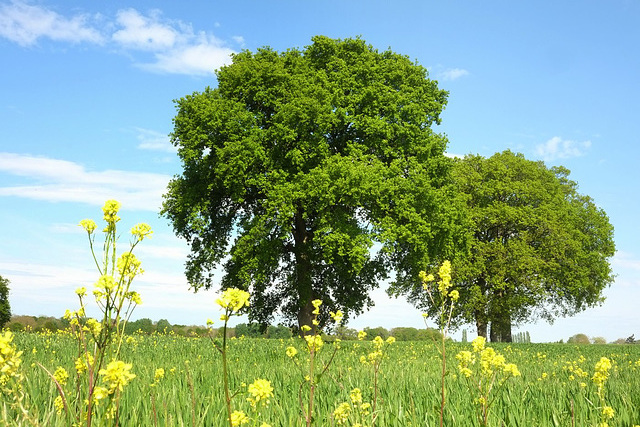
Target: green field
(191, 391)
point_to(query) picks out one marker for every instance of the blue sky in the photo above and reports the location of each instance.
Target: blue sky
(86, 107)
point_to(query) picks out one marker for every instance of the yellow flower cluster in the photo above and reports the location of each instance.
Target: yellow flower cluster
(142, 230)
(341, 413)
(116, 375)
(575, 371)
(110, 210)
(291, 352)
(444, 272)
(89, 225)
(238, 418)
(61, 375)
(375, 357)
(83, 362)
(260, 391)
(316, 306)
(93, 326)
(337, 316)
(106, 283)
(314, 342)
(129, 266)
(357, 407)
(602, 372)
(58, 404)
(233, 299)
(9, 358)
(490, 361)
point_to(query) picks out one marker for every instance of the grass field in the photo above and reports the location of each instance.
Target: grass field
(555, 387)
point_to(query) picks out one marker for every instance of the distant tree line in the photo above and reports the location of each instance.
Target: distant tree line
(147, 326)
(584, 339)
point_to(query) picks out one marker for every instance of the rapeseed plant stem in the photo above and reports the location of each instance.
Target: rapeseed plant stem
(232, 301)
(447, 298)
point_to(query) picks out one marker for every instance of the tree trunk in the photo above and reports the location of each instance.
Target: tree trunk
(480, 313)
(494, 334)
(501, 328)
(481, 324)
(304, 282)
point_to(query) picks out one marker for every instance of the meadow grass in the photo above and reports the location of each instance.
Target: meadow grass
(555, 387)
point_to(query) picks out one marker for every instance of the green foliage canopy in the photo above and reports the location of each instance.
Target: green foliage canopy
(298, 163)
(537, 248)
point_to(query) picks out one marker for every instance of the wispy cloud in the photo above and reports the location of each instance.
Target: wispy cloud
(25, 24)
(452, 74)
(56, 180)
(626, 260)
(153, 140)
(144, 32)
(173, 46)
(176, 47)
(440, 72)
(558, 148)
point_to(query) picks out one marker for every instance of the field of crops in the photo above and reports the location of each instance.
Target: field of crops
(555, 387)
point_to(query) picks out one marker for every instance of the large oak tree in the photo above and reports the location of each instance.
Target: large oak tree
(537, 247)
(309, 174)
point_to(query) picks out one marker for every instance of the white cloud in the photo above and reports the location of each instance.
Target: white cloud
(63, 181)
(155, 141)
(558, 148)
(199, 59)
(452, 74)
(25, 24)
(626, 260)
(175, 47)
(144, 33)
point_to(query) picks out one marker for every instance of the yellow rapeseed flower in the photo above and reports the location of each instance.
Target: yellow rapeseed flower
(511, 369)
(129, 266)
(106, 282)
(61, 375)
(233, 299)
(142, 230)
(316, 305)
(134, 297)
(342, 412)
(83, 361)
(110, 209)
(356, 396)
(9, 358)
(445, 277)
(89, 225)
(58, 404)
(314, 342)
(291, 352)
(100, 393)
(337, 316)
(117, 374)
(238, 418)
(478, 344)
(261, 391)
